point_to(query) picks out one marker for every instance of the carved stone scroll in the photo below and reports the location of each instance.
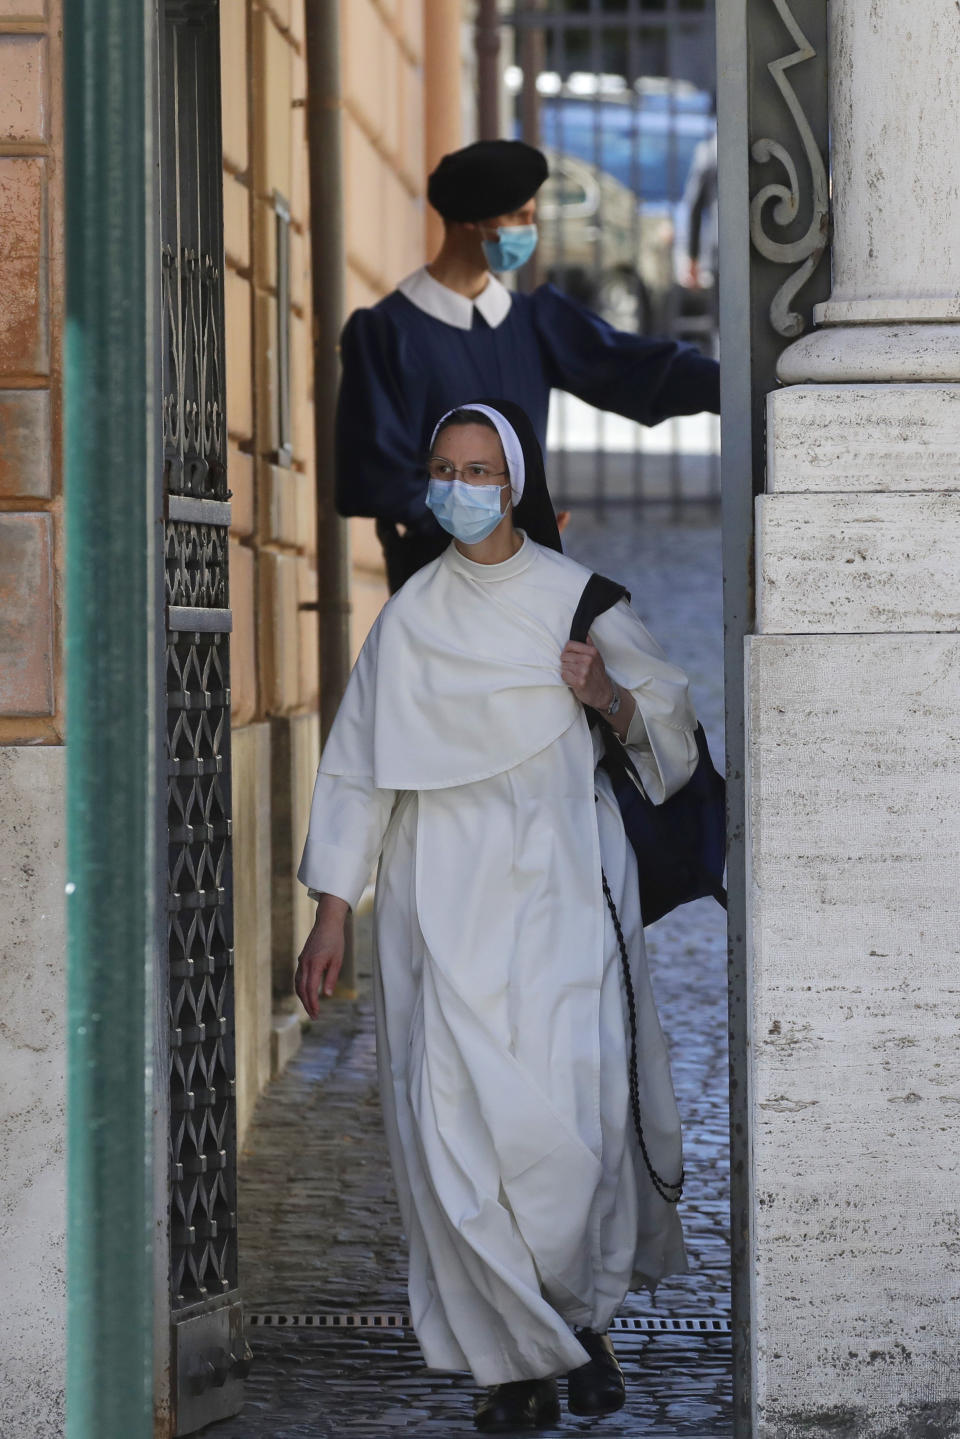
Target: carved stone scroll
(807, 251)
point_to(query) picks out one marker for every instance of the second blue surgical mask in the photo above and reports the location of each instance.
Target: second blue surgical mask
(512, 248)
(468, 512)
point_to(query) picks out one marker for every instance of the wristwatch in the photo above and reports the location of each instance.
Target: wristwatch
(614, 704)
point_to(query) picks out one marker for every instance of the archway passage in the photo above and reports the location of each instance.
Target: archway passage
(323, 1252)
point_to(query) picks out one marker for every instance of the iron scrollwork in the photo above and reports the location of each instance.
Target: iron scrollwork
(807, 251)
(196, 565)
(193, 396)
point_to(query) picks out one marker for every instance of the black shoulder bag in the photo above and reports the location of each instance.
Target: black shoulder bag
(679, 845)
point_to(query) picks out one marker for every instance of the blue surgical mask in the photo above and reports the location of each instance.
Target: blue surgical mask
(512, 248)
(468, 512)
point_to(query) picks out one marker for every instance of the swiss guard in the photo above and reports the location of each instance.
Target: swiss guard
(451, 329)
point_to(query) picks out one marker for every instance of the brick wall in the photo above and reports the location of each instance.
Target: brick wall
(31, 210)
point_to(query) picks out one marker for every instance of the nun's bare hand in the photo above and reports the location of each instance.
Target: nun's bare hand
(318, 967)
(582, 668)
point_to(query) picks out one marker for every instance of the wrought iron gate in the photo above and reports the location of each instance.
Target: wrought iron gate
(620, 95)
(208, 1353)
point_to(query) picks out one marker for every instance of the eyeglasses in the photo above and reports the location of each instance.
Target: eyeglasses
(474, 472)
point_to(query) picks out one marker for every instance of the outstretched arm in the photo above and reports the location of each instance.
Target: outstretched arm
(644, 378)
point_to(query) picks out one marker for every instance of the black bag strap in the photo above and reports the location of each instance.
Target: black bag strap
(599, 595)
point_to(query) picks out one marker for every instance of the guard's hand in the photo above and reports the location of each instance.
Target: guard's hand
(582, 668)
(690, 278)
(321, 959)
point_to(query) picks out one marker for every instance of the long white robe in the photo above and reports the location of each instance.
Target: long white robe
(461, 758)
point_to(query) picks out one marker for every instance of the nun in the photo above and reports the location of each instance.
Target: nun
(453, 328)
(462, 763)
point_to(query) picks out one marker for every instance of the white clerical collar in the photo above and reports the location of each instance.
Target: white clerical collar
(442, 303)
(487, 574)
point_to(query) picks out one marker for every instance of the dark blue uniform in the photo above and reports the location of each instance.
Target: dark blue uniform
(403, 369)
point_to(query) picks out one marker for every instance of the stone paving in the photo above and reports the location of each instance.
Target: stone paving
(320, 1229)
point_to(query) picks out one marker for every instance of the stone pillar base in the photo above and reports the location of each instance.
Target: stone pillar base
(889, 353)
(33, 1297)
(853, 788)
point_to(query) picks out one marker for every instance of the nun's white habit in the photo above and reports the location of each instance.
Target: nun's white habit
(463, 761)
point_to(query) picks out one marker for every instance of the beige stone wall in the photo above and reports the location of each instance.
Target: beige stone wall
(275, 669)
(251, 914)
(383, 143)
(285, 510)
(384, 209)
(402, 92)
(273, 556)
(31, 286)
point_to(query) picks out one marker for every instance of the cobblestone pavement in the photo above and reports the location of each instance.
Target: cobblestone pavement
(319, 1226)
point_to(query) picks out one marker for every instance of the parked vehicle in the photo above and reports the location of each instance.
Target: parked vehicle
(600, 247)
(612, 208)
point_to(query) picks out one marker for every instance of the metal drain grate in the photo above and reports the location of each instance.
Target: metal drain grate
(373, 1319)
(358, 1319)
(714, 1324)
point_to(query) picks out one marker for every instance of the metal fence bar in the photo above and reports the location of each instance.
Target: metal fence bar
(558, 399)
(111, 469)
(737, 464)
(325, 153)
(599, 422)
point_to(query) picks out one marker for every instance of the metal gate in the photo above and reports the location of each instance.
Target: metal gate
(207, 1349)
(620, 96)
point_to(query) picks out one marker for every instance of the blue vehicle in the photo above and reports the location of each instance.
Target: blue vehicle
(613, 205)
(646, 142)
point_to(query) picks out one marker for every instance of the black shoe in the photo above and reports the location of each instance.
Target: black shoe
(522, 1404)
(597, 1387)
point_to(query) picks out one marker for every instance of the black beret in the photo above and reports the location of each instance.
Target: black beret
(491, 177)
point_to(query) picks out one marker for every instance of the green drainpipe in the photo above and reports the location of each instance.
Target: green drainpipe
(109, 451)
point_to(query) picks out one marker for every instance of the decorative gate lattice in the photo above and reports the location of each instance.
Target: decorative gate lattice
(202, 1086)
(208, 1353)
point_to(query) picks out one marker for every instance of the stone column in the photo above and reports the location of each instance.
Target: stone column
(895, 116)
(853, 693)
